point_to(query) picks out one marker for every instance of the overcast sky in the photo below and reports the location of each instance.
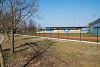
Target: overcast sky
(68, 12)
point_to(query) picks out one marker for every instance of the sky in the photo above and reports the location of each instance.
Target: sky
(66, 13)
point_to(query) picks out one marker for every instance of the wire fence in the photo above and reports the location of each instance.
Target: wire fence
(71, 33)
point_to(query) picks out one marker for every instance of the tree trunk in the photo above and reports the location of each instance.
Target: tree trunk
(7, 35)
(12, 27)
(1, 58)
(12, 42)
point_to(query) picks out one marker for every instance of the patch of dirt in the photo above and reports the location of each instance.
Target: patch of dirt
(70, 37)
(46, 60)
(33, 55)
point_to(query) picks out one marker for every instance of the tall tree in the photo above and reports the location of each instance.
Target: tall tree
(40, 28)
(19, 11)
(32, 26)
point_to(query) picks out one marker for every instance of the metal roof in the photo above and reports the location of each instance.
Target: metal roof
(64, 28)
(95, 22)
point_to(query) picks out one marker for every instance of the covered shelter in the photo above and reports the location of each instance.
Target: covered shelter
(95, 26)
(67, 29)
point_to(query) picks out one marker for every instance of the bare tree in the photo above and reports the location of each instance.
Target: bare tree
(40, 28)
(32, 26)
(6, 24)
(19, 11)
(22, 28)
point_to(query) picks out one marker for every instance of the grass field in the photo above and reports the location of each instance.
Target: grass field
(73, 54)
(77, 54)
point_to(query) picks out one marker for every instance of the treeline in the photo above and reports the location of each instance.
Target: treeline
(26, 27)
(29, 27)
(14, 18)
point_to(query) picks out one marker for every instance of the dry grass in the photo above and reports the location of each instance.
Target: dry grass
(73, 53)
(18, 40)
(78, 54)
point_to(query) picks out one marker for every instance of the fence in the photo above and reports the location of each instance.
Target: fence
(74, 33)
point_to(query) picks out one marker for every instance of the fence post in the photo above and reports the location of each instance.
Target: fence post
(50, 32)
(35, 33)
(64, 33)
(39, 33)
(44, 32)
(58, 33)
(80, 34)
(67, 34)
(97, 35)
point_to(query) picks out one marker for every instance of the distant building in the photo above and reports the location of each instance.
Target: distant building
(95, 26)
(66, 29)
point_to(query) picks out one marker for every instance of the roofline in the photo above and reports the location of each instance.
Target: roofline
(94, 22)
(64, 28)
(68, 27)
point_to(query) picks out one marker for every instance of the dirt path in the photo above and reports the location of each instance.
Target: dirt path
(91, 38)
(82, 37)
